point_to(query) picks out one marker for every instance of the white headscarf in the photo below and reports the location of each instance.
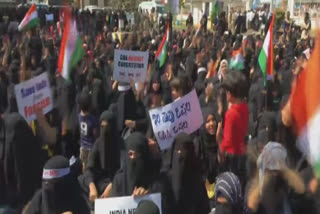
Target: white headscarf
(273, 157)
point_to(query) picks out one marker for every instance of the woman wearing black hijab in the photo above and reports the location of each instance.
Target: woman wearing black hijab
(126, 105)
(20, 162)
(190, 196)
(206, 145)
(104, 159)
(60, 190)
(136, 174)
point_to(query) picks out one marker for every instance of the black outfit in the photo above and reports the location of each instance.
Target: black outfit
(206, 148)
(184, 176)
(126, 108)
(134, 172)
(58, 194)
(20, 162)
(104, 158)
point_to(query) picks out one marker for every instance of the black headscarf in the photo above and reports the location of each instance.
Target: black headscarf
(108, 146)
(126, 104)
(209, 141)
(155, 78)
(60, 191)
(147, 207)
(135, 172)
(186, 182)
(22, 161)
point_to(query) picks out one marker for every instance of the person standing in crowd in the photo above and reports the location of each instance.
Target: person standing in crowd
(232, 142)
(88, 128)
(204, 22)
(189, 22)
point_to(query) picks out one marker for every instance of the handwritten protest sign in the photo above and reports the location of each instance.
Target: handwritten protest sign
(32, 95)
(130, 66)
(183, 115)
(124, 205)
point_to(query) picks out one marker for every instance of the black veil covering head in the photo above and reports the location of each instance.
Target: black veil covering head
(185, 174)
(21, 161)
(138, 169)
(126, 105)
(135, 172)
(60, 190)
(108, 146)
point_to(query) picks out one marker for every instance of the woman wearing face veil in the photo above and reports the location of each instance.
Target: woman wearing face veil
(60, 191)
(136, 176)
(20, 162)
(104, 160)
(126, 105)
(228, 194)
(272, 192)
(189, 193)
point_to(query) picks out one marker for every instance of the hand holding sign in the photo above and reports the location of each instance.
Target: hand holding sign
(139, 191)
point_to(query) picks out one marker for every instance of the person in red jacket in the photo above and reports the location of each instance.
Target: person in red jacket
(232, 142)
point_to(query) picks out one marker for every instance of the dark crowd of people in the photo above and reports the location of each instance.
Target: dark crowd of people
(98, 140)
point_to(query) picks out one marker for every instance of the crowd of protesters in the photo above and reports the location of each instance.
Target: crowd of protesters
(98, 141)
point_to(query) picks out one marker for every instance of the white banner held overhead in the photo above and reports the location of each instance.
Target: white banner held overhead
(124, 205)
(32, 95)
(183, 115)
(130, 66)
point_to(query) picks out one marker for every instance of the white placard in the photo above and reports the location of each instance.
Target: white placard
(123, 205)
(33, 94)
(49, 17)
(130, 66)
(183, 115)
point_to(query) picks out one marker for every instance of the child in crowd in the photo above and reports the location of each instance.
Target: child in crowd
(88, 127)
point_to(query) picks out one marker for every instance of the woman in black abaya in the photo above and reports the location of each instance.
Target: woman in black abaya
(190, 196)
(206, 146)
(20, 162)
(126, 106)
(60, 191)
(136, 175)
(104, 159)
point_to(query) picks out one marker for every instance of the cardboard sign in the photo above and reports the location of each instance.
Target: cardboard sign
(130, 66)
(183, 115)
(124, 205)
(32, 95)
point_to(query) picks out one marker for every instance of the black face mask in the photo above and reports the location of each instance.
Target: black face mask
(224, 209)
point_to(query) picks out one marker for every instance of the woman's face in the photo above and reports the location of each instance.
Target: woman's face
(174, 93)
(156, 86)
(211, 125)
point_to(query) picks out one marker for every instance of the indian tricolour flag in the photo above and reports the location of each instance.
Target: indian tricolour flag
(71, 50)
(161, 54)
(305, 108)
(265, 58)
(237, 60)
(30, 20)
